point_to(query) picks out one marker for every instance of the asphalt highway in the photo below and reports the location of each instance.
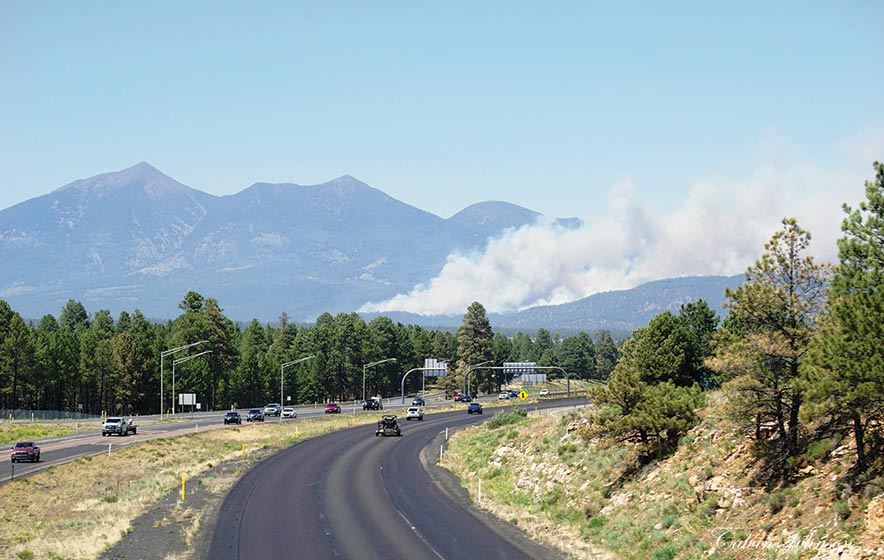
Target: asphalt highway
(351, 495)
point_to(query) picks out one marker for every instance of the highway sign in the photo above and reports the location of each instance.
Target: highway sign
(523, 394)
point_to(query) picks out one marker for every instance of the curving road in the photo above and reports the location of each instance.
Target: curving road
(352, 495)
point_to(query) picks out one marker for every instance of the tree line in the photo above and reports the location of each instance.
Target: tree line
(96, 364)
(798, 358)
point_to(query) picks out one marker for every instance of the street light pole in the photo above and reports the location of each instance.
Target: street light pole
(368, 366)
(181, 361)
(282, 369)
(163, 355)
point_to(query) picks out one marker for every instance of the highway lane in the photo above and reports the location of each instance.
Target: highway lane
(350, 494)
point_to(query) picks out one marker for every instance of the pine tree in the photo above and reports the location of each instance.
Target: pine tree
(773, 317)
(474, 338)
(844, 372)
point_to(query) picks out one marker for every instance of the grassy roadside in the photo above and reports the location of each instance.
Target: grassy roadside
(25, 431)
(78, 510)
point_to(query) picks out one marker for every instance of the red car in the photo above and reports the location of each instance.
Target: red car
(458, 397)
(25, 450)
(333, 408)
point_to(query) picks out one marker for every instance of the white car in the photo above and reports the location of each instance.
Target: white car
(503, 396)
(544, 391)
(289, 412)
(414, 413)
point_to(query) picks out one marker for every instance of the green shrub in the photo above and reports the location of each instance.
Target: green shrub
(514, 416)
(665, 552)
(567, 449)
(669, 520)
(776, 502)
(816, 450)
(842, 509)
(26, 555)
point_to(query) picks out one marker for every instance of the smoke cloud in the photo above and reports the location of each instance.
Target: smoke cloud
(718, 228)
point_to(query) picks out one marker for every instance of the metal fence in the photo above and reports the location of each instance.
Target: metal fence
(21, 415)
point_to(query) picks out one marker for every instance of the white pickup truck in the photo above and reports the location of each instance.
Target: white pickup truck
(115, 425)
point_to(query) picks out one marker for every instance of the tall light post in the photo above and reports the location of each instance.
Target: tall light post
(282, 369)
(371, 365)
(181, 361)
(163, 355)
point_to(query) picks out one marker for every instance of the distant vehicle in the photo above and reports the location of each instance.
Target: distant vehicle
(503, 397)
(255, 415)
(474, 408)
(372, 403)
(232, 418)
(332, 408)
(458, 397)
(289, 412)
(272, 409)
(388, 426)
(414, 413)
(466, 398)
(513, 393)
(117, 426)
(25, 450)
(544, 391)
(418, 401)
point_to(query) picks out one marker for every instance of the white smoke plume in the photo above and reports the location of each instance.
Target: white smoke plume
(719, 228)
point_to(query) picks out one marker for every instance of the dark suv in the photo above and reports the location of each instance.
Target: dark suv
(232, 418)
(255, 415)
(372, 404)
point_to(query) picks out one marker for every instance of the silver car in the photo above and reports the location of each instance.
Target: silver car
(414, 413)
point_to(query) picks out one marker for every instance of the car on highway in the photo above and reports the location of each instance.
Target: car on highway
(388, 426)
(474, 408)
(333, 408)
(272, 409)
(466, 398)
(414, 413)
(232, 418)
(119, 426)
(544, 391)
(372, 403)
(25, 450)
(458, 397)
(513, 393)
(255, 415)
(418, 401)
(503, 396)
(289, 412)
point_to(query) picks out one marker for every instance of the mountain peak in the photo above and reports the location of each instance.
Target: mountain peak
(141, 176)
(495, 211)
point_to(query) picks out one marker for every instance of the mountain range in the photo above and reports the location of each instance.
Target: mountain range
(138, 239)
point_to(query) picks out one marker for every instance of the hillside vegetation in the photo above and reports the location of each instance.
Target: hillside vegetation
(552, 477)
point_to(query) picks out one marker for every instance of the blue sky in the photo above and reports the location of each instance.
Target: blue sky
(559, 107)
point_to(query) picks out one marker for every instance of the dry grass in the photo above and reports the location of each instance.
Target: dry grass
(78, 510)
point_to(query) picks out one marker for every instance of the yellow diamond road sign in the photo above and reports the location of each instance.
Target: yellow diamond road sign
(523, 394)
